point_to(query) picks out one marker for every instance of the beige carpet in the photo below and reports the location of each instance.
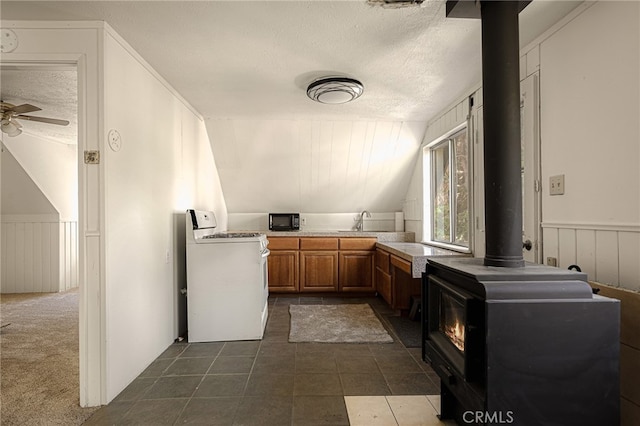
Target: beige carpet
(348, 323)
(39, 383)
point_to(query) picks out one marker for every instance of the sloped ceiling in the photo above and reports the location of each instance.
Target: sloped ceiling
(245, 66)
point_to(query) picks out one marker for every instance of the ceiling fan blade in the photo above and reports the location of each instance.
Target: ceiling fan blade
(21, 109)
(43, 120)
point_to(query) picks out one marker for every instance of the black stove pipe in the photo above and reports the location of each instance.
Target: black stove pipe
(502, 162)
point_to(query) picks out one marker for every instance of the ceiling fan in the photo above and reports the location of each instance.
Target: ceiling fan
(9, 115)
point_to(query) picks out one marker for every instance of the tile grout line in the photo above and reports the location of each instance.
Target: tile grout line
(391, 409)
(196, 389)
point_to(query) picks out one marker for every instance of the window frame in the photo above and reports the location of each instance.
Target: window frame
(429, 189)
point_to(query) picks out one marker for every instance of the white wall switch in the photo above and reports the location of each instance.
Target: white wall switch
(556, 185)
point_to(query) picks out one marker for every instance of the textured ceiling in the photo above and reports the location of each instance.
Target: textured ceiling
(52, 90)
(233, 59)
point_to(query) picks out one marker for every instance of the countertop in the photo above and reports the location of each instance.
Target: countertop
(380, 235)
(417, 254)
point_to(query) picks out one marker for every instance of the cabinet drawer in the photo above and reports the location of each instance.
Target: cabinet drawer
(382, 261)
(401, 264)
(283, 243)
(318, 244)
(358, 243)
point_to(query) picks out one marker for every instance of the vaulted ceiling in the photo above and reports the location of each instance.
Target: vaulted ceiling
(245, 66)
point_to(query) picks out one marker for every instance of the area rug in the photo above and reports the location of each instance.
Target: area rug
(346, 323)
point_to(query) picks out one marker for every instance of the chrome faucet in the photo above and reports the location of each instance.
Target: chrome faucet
(360, 224)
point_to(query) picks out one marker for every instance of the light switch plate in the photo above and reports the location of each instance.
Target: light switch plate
(556, 185)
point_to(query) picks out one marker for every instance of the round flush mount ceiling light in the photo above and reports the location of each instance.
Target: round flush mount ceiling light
(335, 90)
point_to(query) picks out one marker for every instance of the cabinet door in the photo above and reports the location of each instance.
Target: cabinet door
(283, 271)
(382, 261)
(318, 271)
(356, 271)
(383, 285)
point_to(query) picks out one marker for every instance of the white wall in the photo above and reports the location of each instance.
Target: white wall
(590, 94)
(20, 194)
(53, 168)
(378, 221)
(39, 216)
(163, 167)
(314, 166)
(128, 290)
(590, 104)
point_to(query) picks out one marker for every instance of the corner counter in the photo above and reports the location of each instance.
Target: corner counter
(416, 253)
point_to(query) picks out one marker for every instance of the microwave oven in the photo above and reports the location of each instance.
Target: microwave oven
(284, 221)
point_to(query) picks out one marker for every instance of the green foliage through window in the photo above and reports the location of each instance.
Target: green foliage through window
(450, 190)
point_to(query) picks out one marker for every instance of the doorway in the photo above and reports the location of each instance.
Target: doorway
(40, 191)
(40, 210)
(530, 172)
(531, 188)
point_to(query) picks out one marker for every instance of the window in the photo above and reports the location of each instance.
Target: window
(447, 190)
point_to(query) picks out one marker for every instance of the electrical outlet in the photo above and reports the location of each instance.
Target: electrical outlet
(304, 221)
(556, 185)
(552, 261)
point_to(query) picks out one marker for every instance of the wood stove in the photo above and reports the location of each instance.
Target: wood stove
(526, 346)
(515, 343)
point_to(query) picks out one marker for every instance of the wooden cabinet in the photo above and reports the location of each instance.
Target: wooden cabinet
(283, 265)
(356, 271)
(394, 281)
(322, 264)
(318, 243)
(383, 275)
(318, 271)
(403, 285)
(283, 268)
(357, 264)
(318, 264)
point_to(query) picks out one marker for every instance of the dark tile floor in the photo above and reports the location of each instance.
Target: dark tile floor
(269, 382)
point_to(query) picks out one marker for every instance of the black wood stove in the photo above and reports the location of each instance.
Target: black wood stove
(522, 346)
(515, 343)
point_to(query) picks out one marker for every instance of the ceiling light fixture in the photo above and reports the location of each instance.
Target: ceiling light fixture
(10, 127)
(335, 90)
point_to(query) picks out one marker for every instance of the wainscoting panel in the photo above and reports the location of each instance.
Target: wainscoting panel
(607, 253)
(39, 254)
(586, 251)
(629, 259)
(68, 255)
(567, 246)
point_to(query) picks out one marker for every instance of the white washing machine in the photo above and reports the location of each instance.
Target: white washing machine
(227, 281)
